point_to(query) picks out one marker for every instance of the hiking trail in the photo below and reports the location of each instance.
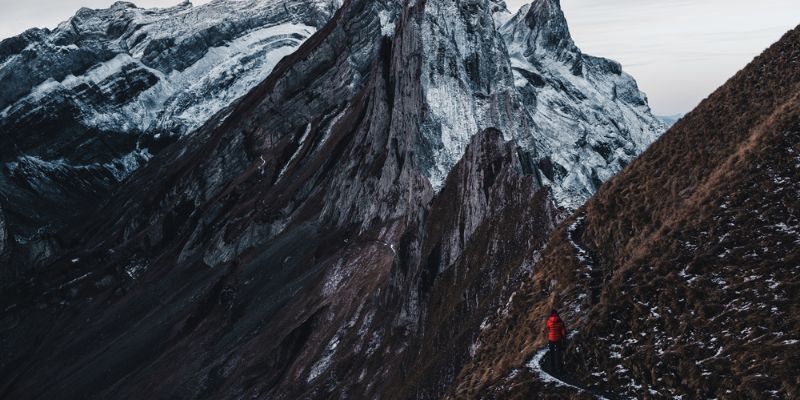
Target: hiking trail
(536, 365)
(591, 287)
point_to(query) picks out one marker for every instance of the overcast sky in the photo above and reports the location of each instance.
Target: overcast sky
(678, 50)
(18, 15)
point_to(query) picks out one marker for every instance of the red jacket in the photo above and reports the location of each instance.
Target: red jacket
(555, 328)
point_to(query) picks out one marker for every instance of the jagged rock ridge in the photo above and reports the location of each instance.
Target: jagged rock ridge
(143, 80)
(590, 119)
(581, 117)
(84, 105)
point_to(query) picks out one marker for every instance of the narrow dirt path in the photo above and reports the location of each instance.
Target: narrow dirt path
(592, 281)
(536, 364)
(590, 285)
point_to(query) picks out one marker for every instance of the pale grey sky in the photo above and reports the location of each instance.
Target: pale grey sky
(18, 15)
(678, 50)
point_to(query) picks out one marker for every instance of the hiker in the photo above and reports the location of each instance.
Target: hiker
(556, 337)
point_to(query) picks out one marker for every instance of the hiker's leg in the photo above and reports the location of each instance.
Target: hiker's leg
(558, 359)
(552, 355)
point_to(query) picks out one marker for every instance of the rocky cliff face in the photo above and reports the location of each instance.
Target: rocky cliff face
(589, 117)
(466, 83)
(679, 276)
(581, 117)
(490, 211)
(326, 237)
(88, 103)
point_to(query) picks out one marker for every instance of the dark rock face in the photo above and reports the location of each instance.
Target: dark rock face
(549, 32)
(680, 275)
(84, 105)
(475, 251)
(221, 207)
(3, 236)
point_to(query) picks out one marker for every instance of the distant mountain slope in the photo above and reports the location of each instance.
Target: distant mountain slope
(670, 120)
(681, 276)
(84, 105)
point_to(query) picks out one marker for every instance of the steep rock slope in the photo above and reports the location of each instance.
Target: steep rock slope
(681, 274)
(220, 199)
(589, 116)
(581, 116)
(84, 105)
(466, 82)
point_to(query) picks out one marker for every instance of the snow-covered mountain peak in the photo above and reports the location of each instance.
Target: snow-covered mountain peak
(540, 29)
(580, 117)
(87, 103)
(110, 88)
(466, 80)
(547, 23)
(590, 118)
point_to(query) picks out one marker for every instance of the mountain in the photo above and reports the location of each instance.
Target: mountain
(94, 99)
(680, 276)
(84, 105)
(590, 118)
(341, 231)
(670, 120)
